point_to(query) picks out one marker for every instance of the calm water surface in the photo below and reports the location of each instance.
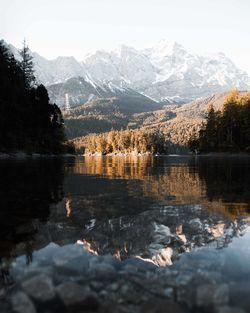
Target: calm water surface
(125, 206)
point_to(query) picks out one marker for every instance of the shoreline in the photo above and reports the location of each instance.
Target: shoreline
(24, 155)
(222, 154)
(212, 154)
(123, 154)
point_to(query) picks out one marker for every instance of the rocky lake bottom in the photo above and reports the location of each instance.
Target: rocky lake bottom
(70, 279)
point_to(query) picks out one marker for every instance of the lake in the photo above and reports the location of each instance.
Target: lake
(162, 232)
(123, 205)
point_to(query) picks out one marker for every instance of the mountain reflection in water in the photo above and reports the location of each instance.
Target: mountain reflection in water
(152, 207)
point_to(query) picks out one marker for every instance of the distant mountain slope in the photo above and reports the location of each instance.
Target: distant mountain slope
(82, 90)
(96, 116)
(103, 107)
(198, 107)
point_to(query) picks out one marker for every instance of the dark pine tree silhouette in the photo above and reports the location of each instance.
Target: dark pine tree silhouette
(27, 66)
(28, 121)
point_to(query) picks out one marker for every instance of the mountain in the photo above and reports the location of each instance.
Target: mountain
(124, 65)
(98, 108)
(50, 72)
(58, 70)
(83, 90)
(165, 71)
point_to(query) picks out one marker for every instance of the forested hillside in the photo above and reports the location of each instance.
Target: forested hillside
(177, 123)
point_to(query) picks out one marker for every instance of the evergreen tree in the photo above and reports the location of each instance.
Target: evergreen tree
(246, 123)
(27, 66)
(209, 135)
(231, 122)
(28, 121)
(228, 130)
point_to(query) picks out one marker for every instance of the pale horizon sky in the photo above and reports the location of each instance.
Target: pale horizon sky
(74, 28)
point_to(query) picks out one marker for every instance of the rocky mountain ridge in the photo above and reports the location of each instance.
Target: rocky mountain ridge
(83, 90)
(167, 71)
(164, 71)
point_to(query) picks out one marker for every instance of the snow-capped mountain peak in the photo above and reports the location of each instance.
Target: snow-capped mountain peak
(122, 50)
(165, 48)
(165, 70)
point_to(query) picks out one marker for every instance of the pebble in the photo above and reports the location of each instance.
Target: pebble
(21, 303)
(168, 292)
(78, 265)
(204, 295)
(114, 286)
(155, 305)
(104, 271)
(96, 285)
(196, 224)
(66, 254)
(73, 295)
(240, 294)
(182, 280)
(227, 309)
(39, 287)
(221, 295)
(80, 282)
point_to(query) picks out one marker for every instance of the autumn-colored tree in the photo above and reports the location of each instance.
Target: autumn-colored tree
(126, 141)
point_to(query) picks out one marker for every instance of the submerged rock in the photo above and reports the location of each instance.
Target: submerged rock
(227, 309)
(40, 288)
(21, 303)
(201, 281)
(75, 295)
(155, 305)
(196, 224)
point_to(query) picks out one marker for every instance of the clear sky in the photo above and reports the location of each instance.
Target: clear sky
(76, 27)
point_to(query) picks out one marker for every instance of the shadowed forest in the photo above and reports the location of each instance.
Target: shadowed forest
(28, 121)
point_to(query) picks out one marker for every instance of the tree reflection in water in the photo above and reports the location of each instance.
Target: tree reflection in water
(123, 205)
(133, 194)
(28, 189)
(222, 183)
